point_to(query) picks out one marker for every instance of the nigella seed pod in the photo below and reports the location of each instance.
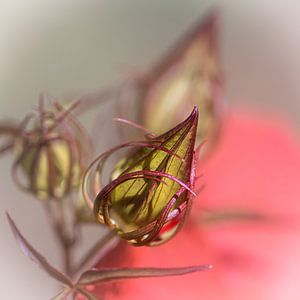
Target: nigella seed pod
(188, 75)
(150, 191)
(51, 153)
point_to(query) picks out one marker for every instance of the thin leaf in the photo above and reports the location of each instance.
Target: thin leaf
(97, 276)
(88, 295)
(185, 76)
(98, 251)
(36, 257)
(61, 295)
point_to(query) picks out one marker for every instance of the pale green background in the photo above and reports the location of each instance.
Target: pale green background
(72, 47)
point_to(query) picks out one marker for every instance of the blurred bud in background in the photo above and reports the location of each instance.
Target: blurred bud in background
(187, 75)
(51, 150)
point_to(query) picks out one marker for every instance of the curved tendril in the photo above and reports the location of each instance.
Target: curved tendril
(81, 131)
(153, 228)
(38, 147)
(33, 171)
(102, 158)
(72, 155)
(84, 149)
(167, 210)
(159, 223)
(5, 147)
(135, 125)
(150, 227)
(14, 169)
(24, 123)
(63, 115)
(14, 173)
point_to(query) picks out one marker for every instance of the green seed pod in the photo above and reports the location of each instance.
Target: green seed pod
(188, 75)
(150, 192)
(51, 156)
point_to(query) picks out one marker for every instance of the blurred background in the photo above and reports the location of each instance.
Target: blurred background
(72, 47)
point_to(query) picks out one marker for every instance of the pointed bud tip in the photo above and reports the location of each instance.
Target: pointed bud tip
(194, 114)
(9, 218)
(205, 267)
(195, 110)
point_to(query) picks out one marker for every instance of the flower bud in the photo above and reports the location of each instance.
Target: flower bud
(51, 155)
(150, 192)
(188, 75)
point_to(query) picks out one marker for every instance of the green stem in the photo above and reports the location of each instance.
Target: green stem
(229, 215)
(56, 219)
(96, 252)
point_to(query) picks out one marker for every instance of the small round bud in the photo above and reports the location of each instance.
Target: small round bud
(51, 155)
